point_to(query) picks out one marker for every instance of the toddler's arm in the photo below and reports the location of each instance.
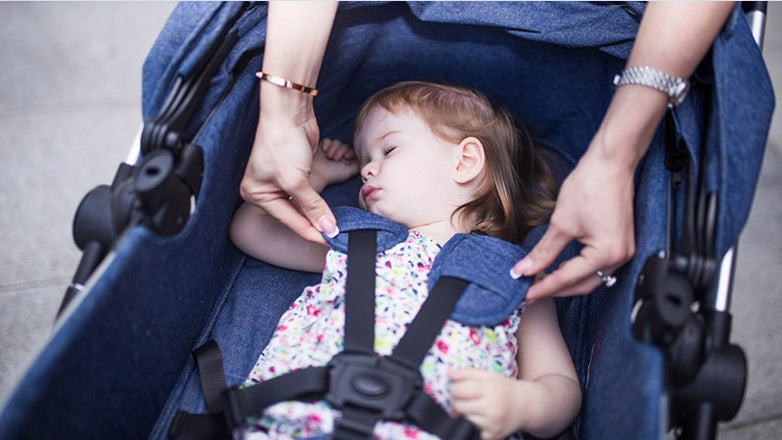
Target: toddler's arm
(542, 402)
(262, 236)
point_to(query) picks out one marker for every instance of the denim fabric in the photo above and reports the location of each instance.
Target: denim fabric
(485, 262)
(736, 89)
(389, 232)
(482, 260)
(551, 64)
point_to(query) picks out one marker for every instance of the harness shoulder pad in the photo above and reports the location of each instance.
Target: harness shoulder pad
(484, 262)
(389, 233)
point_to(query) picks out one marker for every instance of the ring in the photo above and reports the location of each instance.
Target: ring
(608, 280)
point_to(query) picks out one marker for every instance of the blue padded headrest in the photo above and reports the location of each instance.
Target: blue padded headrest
(485, 262)
(389, 233)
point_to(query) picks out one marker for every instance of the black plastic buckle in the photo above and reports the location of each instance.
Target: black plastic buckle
(373, 383)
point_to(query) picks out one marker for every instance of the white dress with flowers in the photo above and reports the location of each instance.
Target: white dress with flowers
(311, 332)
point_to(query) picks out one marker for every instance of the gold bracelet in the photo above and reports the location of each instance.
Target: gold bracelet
(288, 84)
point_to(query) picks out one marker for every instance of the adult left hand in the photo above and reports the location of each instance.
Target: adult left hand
(595, 207)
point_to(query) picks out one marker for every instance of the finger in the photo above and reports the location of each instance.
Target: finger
(586, 286)
(543, 254)
(284, 211)
(343, 151)
(473, 409)
(467, 390)
(583, 288)
(327, 146)
(314, 208)
(466, 374)
(339, 152)
(576, 276)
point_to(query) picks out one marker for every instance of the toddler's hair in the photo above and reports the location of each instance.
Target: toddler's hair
(518, 192)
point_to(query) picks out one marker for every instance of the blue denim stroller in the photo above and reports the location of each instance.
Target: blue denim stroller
(165, 279)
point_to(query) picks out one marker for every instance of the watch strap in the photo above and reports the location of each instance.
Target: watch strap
(676, 88)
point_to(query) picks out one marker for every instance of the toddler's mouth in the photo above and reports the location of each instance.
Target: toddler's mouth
(368, 192)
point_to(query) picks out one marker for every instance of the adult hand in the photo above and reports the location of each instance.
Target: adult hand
(277, 175)
(595, 201)
(595, 207)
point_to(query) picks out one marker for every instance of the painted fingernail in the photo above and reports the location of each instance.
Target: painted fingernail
(520, 268)
(328, 227)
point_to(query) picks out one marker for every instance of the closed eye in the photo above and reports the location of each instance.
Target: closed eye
(388, 150)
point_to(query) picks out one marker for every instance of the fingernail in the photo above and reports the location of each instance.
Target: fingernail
(328, 227)
(521, 268)
(513, 274)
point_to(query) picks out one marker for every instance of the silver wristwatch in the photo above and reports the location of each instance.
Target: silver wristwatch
(675, 88)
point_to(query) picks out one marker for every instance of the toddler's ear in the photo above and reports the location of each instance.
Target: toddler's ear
(472, 159)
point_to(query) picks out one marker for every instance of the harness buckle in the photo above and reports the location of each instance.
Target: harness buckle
(372, 382)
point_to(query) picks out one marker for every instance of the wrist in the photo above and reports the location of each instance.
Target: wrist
(629, 125)
(279, 103)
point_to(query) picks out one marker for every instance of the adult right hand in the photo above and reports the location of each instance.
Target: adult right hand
(595, 207)
(277, 175)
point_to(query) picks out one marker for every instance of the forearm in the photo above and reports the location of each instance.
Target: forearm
(673, 37)
(262, 236)
(549, 404)
(296, 38)
(548, 397)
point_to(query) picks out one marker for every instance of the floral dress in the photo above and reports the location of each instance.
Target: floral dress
(311, 332)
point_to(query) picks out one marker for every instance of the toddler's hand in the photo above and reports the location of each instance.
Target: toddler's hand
(334, 162)
(487, 400)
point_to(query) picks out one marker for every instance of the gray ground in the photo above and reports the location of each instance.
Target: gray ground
(69, 109)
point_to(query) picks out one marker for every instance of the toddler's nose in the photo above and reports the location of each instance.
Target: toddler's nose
(367, 171)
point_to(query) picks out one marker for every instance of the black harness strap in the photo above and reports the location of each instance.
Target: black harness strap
(356, 423)
(188, 426)
(429, 321)
(209, 361)
(360, 292)
(306, 385)
(359, 416)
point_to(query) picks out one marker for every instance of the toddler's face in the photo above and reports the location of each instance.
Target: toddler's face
(406, 169)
